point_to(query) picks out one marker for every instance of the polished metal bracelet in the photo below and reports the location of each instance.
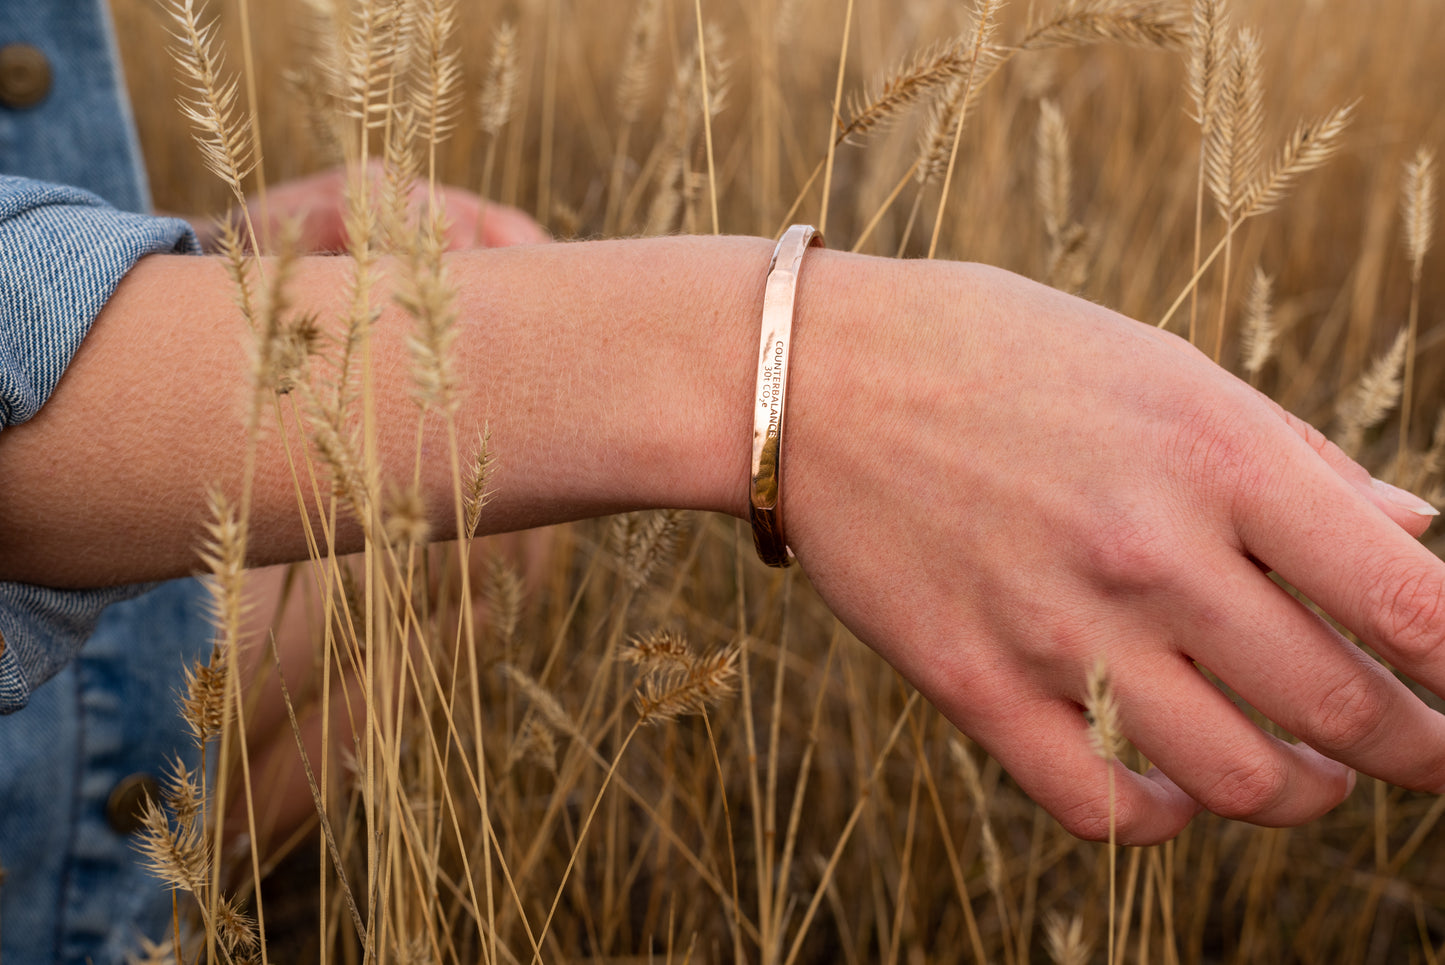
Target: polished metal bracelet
(779, 299)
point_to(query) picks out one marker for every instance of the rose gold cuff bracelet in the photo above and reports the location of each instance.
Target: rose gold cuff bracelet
(779, 300)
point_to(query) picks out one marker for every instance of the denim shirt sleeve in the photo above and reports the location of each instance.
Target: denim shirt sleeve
(63, 251)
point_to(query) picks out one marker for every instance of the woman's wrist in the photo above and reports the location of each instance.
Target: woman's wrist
(639, 394)
(612, 376)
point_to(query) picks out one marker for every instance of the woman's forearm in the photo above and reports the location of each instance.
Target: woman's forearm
(611, 375)
(998, 487)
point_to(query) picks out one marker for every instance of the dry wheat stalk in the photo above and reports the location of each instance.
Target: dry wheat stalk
(785, 24)
(1142, 23)
(543, 701)
(503, 592)
(282, 346)
(477, 491)
(993, 864)
(1208, 55)
(183, 793)
(203, 698)
(935, 138)
(236, 929)
(1067, 266)
(1105, 735)
(1418, 203)
(180, 856)
(1065, 939)
(719, 67)
(637, 60)
(1372, 398)
(428, 296)
(645, 541)
(905, 85)
(177, 856)
(340, 453)
(498, 100)
(1418, 206)
(318, 79)
(638, 53)
(437, 92)
(657, 650)
(1107, 740)
(964, 67)
(535, 742)
(1432, 464)
(1310, 145)
(677, 187)
(1054, 177)
(223, 135)
(668, 693)
(1259, 329)
(372, 39)
(983, 26)
(404, 515)
(1236, 137)
(148, 952)
(959, 95)
(400, 169)
(223, 555)
(361, 220)
(679, 128)
(239, 268)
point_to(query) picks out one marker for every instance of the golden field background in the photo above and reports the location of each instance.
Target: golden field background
(901, 852)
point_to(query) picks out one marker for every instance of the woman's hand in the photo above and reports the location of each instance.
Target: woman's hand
(317, 203)
(993, 484)
(996, 485)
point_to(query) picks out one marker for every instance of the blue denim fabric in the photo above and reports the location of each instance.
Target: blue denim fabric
(73, 889)
(81, 134)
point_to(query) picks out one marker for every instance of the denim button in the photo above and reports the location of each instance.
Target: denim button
(124, 807)
(24, 76)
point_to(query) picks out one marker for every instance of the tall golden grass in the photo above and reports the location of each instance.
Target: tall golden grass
(527, 796)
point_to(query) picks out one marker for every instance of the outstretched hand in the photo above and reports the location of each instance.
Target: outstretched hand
(996, 485)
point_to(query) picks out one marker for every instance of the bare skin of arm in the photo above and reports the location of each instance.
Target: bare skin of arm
(991, 483)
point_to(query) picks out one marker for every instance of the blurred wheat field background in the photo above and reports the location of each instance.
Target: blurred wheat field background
(821, 814)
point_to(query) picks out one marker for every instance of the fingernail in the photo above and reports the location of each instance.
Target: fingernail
(1406, 501)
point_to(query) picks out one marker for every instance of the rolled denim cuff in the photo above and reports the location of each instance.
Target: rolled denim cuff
(43, 630)
(63, 251)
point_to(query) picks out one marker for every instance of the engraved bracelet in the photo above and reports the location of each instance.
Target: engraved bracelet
(779, 299)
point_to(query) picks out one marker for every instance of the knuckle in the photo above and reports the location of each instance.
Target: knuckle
(1334, 455)
(1213, 441)
(1217, 452)
(1313, 437)
(1067, 641)
(1091, 818)
(1352, 713)
(1129, 555)
(1249, 789)
(1407, 612)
